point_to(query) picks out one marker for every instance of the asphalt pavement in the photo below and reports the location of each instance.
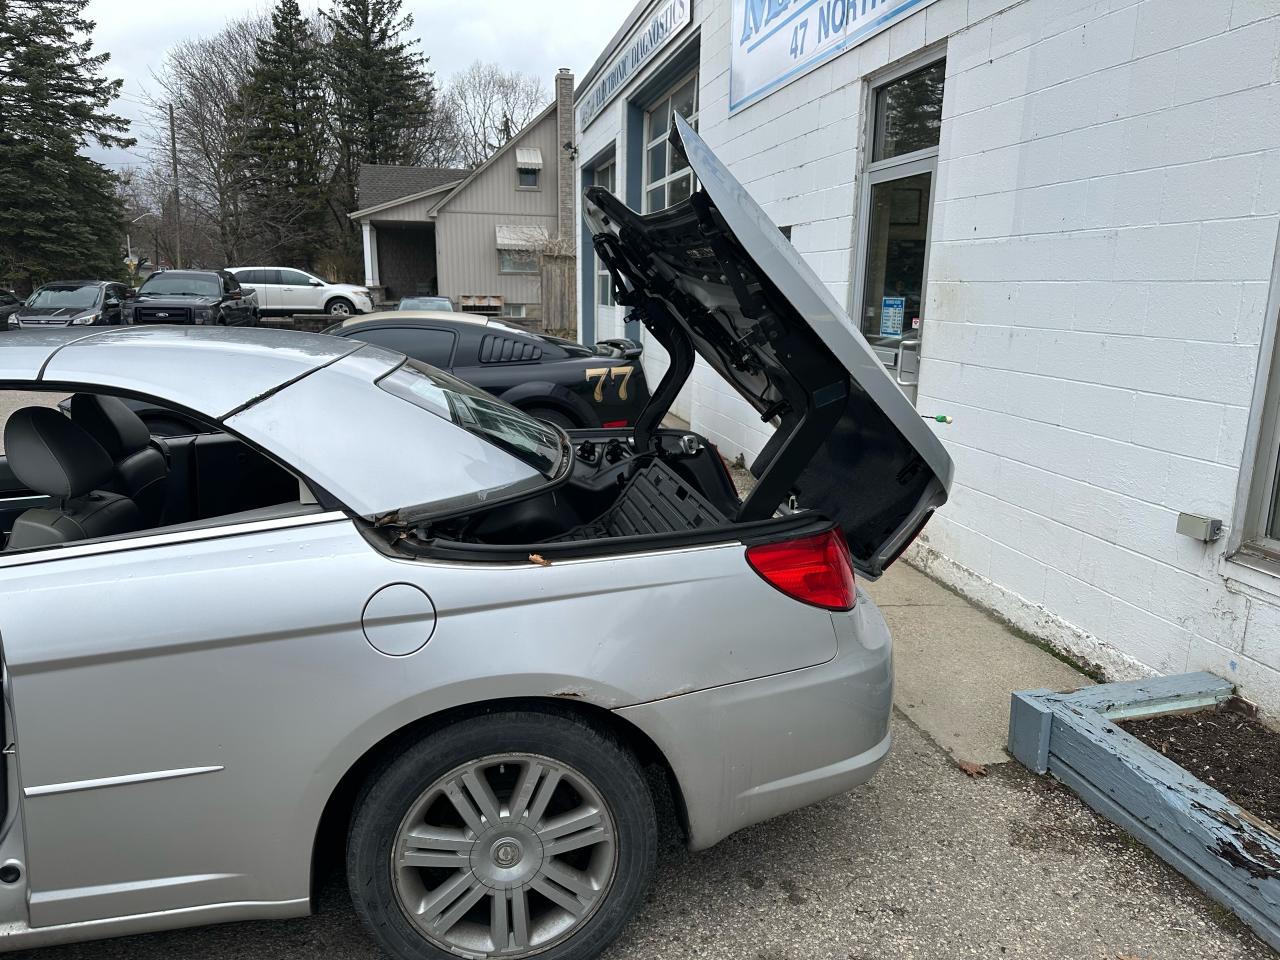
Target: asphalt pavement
(923, 862)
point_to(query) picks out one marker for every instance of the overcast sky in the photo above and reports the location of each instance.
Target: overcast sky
(533, 37)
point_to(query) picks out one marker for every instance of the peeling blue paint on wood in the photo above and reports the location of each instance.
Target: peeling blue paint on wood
(1030, 719)
(1223, 849)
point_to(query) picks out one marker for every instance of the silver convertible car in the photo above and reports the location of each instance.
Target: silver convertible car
(366, 596)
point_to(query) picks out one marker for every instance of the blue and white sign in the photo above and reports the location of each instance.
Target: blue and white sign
(672, 17)
(775, 41)
(892, 310)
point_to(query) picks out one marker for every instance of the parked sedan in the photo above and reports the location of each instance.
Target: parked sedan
(212, 297)
(71, 303)
(425, 303)
(554, 379)
(9, 304)
(283, 291)
(435, 624)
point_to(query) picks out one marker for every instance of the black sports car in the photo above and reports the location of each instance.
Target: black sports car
(554, 379)
(193, 296)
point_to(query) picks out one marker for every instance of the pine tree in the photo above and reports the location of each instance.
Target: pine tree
(59, 211)
(283, 160)
(383, 94)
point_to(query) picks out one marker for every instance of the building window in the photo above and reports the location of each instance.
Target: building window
(513, 310)
(897, 206)
(605, 176)
(517, 261)
(667, 178)
(528, 166)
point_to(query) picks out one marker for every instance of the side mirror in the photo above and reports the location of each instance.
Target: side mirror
(111, 302)
(131, 292)
(316, 283)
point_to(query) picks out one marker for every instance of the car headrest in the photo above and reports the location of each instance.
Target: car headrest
(109, 420)
(53, 456)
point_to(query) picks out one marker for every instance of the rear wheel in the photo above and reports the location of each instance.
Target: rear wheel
(339, 307)
(553, 416)
(507, 835)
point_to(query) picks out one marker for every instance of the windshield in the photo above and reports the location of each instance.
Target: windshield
(426, 303)
(181, 285)
(535, 442)
(79, 296)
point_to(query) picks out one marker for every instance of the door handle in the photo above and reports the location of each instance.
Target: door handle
(905, 347)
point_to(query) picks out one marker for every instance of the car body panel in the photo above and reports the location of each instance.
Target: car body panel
(403, 456)
(591, 391)
(712, 274)
(159, 361)
(279, 694)
(25, 352)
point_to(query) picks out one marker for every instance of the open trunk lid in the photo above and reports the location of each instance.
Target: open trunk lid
(712, 274)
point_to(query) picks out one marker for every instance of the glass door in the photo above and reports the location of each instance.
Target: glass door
(896, 214)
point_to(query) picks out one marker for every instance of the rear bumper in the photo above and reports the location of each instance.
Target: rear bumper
(749, 751)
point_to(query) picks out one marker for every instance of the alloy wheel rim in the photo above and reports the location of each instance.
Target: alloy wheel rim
(505, 856)
(339, 310)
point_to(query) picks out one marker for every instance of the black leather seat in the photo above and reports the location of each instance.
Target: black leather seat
(142, 470)
(51, 455)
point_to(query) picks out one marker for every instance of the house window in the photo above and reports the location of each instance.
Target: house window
(606, 176)
(514, 310)
(667, 178)
(517, 261)
(528, 166)
(897, 206)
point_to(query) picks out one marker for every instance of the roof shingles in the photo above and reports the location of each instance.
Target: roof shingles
(381, 183)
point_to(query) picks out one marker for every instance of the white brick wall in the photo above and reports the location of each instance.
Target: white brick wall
(1105, 224)
(1103, 244)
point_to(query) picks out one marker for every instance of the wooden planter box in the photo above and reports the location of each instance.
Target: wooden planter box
(1225, 851)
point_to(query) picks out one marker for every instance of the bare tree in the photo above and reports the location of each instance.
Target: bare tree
(204, 81)
(485, 107)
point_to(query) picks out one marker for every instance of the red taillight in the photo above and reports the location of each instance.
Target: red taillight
(815, 570)
(609, 424)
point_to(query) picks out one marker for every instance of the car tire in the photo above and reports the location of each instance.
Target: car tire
(563, 905)
(340, 307)
(551, 415)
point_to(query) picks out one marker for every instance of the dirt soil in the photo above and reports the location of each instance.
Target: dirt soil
(1226, 748)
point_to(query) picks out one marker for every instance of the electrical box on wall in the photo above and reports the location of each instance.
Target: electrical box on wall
(1199, 528)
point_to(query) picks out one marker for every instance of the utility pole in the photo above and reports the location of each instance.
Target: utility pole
(177, 197)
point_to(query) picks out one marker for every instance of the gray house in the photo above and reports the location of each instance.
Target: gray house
(498, 239)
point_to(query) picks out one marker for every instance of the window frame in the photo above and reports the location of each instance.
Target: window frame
(529, 187)
(874, 172)
(603, 279)
(280, 272)
(171, 533)
(412, 329)
(1252, 554)
(537, 267)
(651, 141)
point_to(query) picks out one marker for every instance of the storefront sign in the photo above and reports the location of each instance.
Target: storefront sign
(670, 18)
(776, 41)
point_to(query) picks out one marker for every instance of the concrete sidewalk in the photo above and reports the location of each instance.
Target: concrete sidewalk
(955, 666)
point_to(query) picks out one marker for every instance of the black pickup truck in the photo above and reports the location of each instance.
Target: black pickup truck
(211, 297)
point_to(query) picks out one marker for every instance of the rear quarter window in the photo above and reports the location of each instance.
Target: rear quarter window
(425, 344)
